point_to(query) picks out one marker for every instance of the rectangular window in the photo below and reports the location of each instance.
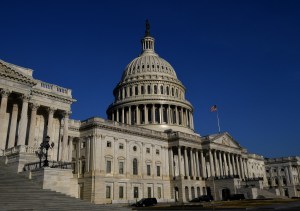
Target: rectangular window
(159, 192)
(83, 144)
(108, 192)
(149, 192)
(121, 167)
(148, 170)
(108, 144)
(121, 192)
(158, 171)
(157, 151)
(108, 166)
(147, 150)
(121, 146)
(135, 192)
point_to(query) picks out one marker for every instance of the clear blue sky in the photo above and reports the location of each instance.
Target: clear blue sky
(243, 56)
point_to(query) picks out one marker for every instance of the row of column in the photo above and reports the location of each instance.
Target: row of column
(159, 113)
(200, 163)
(149, 89)
(19, 131)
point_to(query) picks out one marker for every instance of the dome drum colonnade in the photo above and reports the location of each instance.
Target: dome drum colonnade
(150, 95)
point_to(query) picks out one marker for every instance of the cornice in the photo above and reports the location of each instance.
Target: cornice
(18, 77)
(53, 96)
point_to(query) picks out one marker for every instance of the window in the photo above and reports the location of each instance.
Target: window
(168, 92)
(157, 151)
(161, 90)
(83, 144)
(155, 89)
(172, 91)
(121, 146)
(130, 91)
(108, 144)
(108, 166)
(108, 192)
(149, 192)
(147, 150)
(135, 192)
(159, 192)
(148, 89)
(135, 167)
(121, 192)
(121, 167)
(148, 170)
(134, 148)
(136, 90)
(158, 171)
(142, 90)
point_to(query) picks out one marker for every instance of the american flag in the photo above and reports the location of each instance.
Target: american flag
(213, 108)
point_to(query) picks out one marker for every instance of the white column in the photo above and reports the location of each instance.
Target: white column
(172, 174)
(211, 162)
(192, 163)
(23, 121)
(50, 122)
(31, 137)
(3, 107)
(153, 113)
(176, 111)
(233, 164)
(129, 115)
(70, 149)
(123, 115)
(203, 165)
(138, 116)
(241, 166)
(13, 126)
(238, 166)
(197, 163)
(179, 162)
(225, 164)
(229, 164)
(64, 155)
(160, 114)
(181, 114)
(221, 164)
(166, 163)
(118, 120)
(146, 114)
(216, 163)
(186, 164)
(169, 115)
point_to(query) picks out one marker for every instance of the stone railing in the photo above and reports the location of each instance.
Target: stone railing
(20, 148)
(122, 125)
(53, 88)
(52, 164)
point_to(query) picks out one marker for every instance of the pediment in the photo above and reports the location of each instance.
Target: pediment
(16, 73)
(226, 140)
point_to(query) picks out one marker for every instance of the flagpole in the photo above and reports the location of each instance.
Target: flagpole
(218, 121)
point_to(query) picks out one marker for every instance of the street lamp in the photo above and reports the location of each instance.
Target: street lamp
(45, 144)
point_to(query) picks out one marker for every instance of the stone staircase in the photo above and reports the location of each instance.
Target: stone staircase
(20, 193)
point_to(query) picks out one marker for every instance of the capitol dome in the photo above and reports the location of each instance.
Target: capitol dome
(149, 94)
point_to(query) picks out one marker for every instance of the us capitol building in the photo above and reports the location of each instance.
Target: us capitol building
(146, 148)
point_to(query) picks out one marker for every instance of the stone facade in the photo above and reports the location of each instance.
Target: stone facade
(283, 175)
(146, 148)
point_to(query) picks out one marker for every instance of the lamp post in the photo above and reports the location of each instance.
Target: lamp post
(45, 144)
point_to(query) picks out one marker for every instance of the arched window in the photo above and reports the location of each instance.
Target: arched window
(155, 89)
(148, 89)
(142, 90)
(130, 91)
(172, 91)
(136, 90)
(134, 167)
(168, 92)
(162, 89)
(176, 92)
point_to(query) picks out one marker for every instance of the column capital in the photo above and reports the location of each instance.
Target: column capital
(50, 110)
(34, 106)
(66, 114)
(25, 98)
(5, 92)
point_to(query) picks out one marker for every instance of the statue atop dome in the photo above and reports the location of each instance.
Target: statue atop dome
(147, 32)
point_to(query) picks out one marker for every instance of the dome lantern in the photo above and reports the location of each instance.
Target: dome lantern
(147, 41)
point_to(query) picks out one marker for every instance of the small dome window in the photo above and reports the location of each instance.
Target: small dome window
(143, 66)
(157, 66)
(148, 66)
(134, 148)
(153, 66)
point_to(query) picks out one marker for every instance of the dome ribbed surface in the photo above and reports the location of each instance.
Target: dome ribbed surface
(148, 64)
